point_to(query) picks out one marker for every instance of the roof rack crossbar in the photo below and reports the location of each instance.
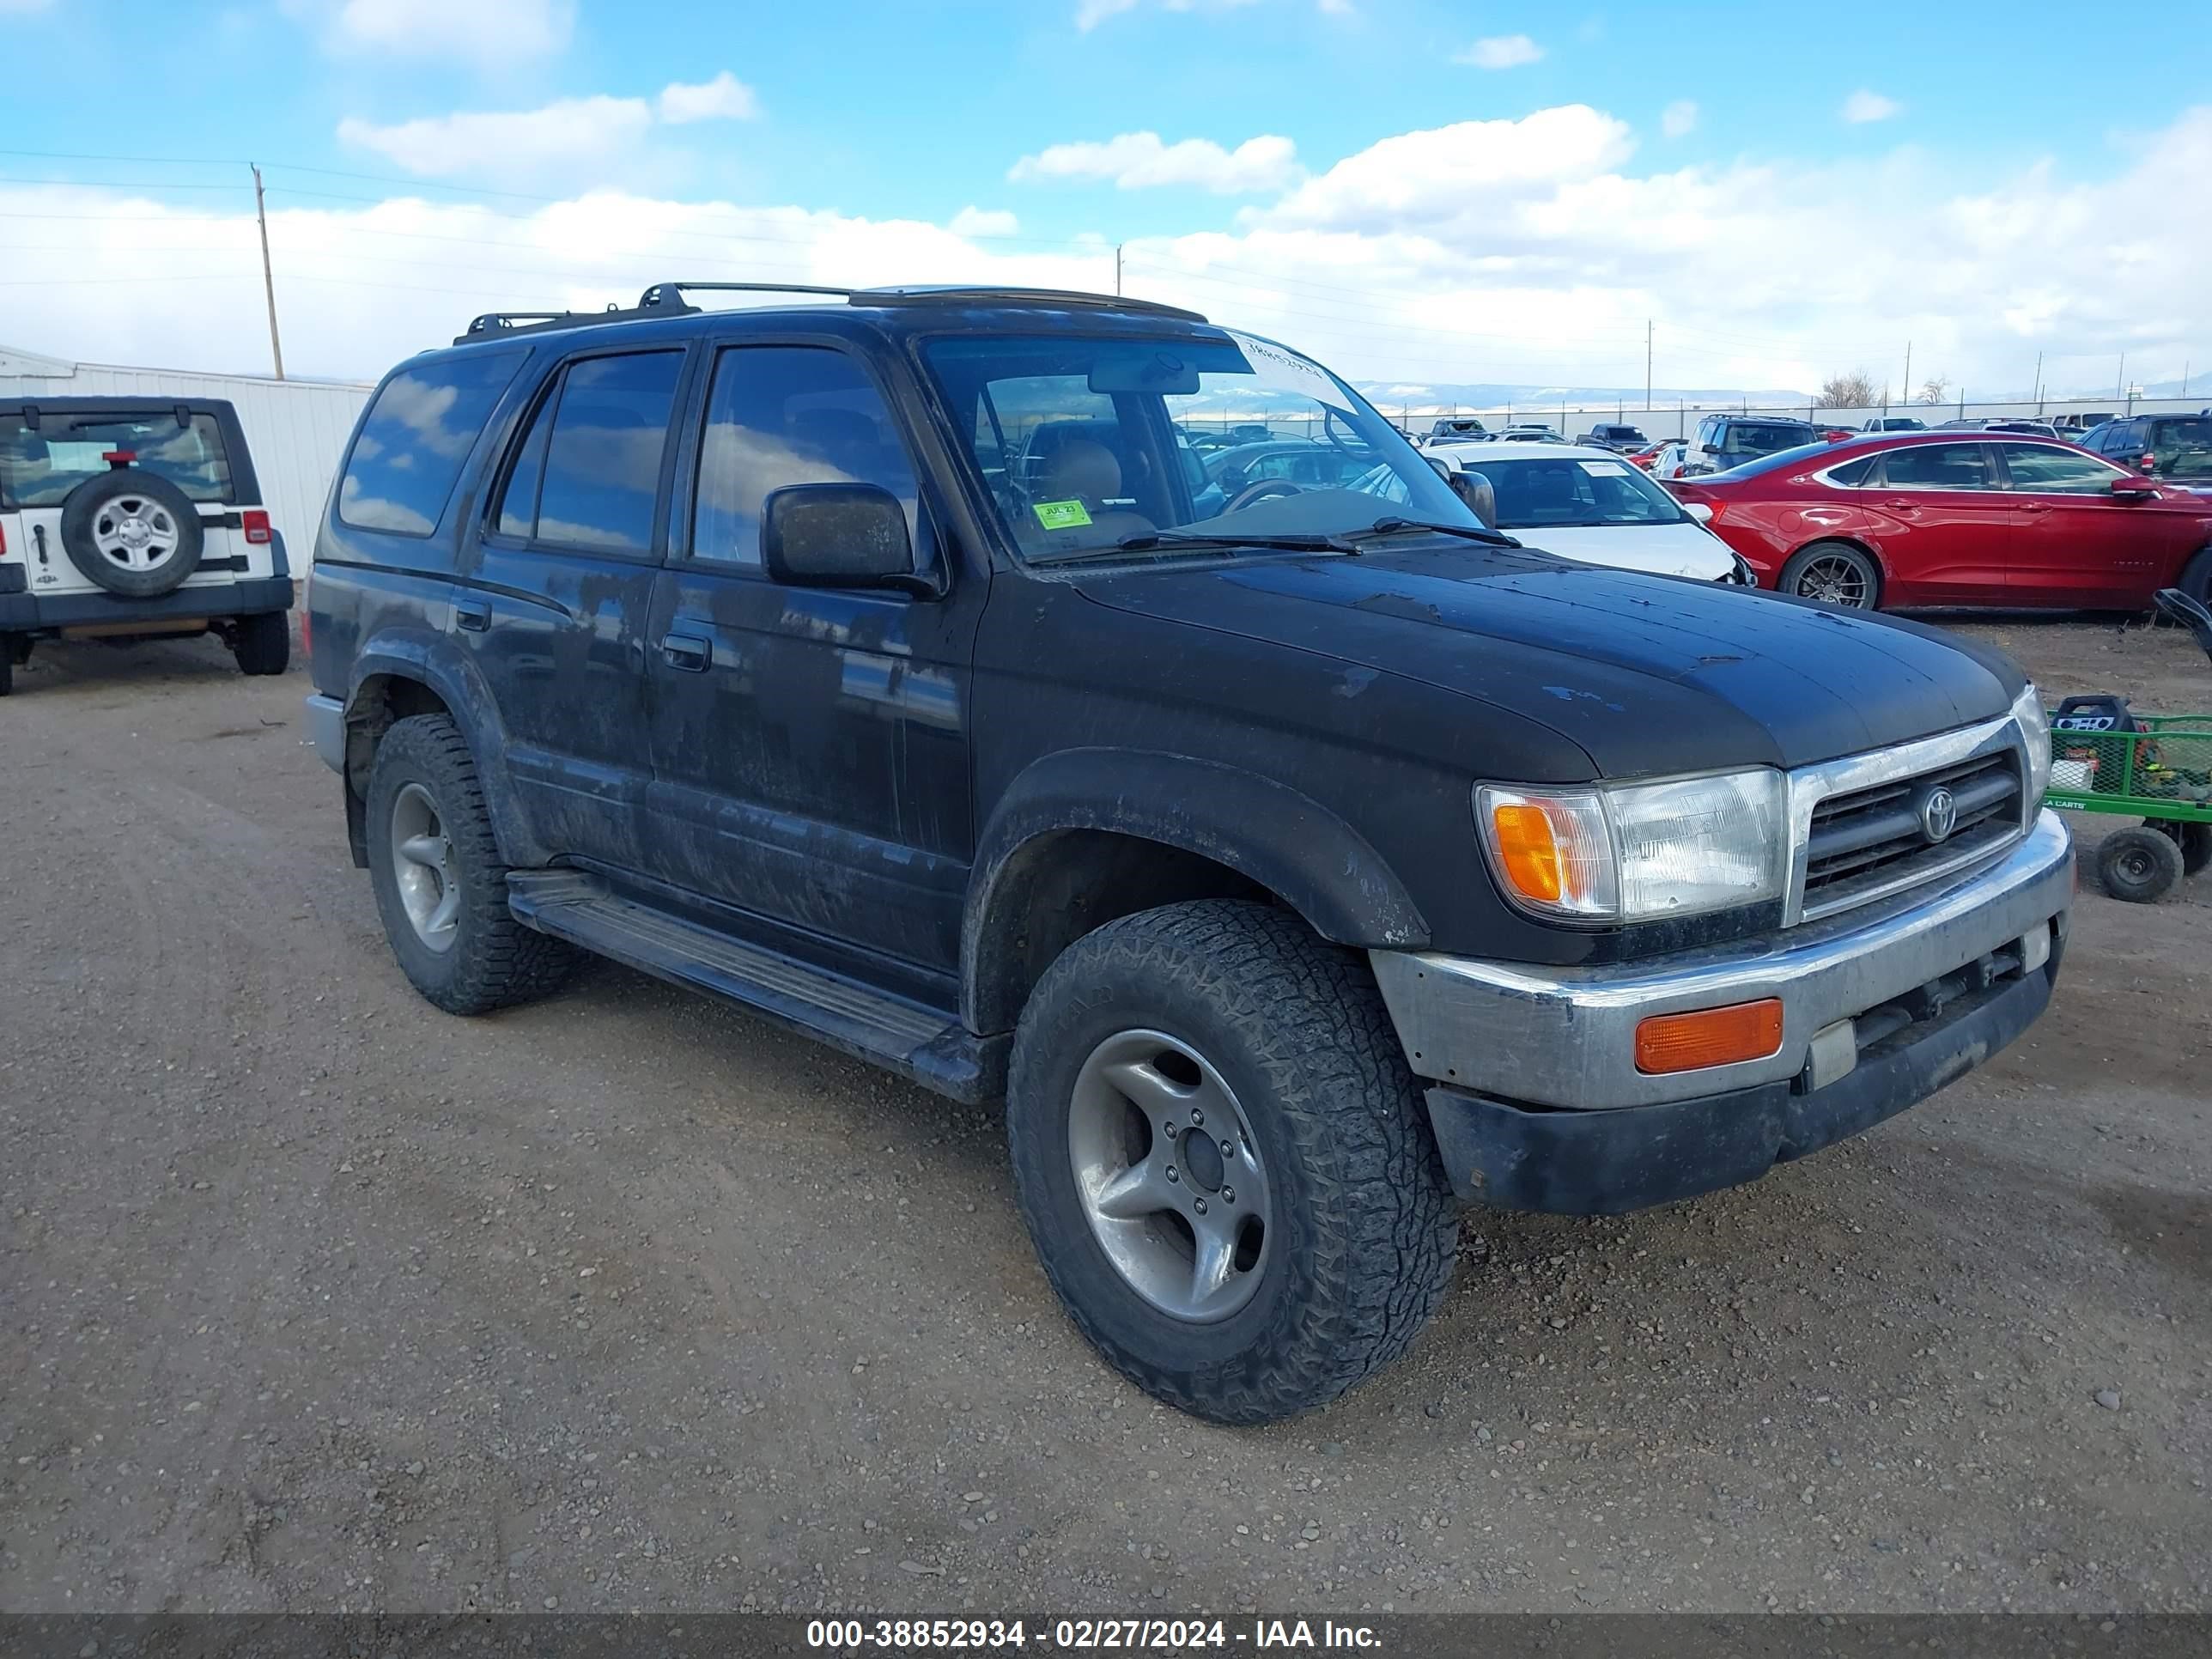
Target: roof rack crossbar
(670, 295)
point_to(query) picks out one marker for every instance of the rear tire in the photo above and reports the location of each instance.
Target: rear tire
(8, 668)
(263, 643)
(444, 905)
(1833, 573)
(1324, 1130)
(2139, 864)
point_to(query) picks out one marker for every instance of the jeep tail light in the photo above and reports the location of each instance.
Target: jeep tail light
(257, 527)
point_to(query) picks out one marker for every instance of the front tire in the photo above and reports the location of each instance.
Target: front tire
(1833, 573)
(2196, 578)
(1224, 1163)
(2139, 864)
(441, 886)
(263, 644)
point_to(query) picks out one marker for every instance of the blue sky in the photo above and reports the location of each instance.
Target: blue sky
(1785, 192)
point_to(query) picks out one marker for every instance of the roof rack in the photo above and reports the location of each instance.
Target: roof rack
(938, 293)
(667, 299)
(532, 322)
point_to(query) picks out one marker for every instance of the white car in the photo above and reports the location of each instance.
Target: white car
(1587, 503)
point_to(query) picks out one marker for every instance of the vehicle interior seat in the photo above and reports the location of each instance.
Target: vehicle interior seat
(847, 440)
(1083, 470)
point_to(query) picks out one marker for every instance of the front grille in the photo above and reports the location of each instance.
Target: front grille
(1871, 840)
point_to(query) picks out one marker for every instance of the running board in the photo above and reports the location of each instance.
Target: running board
(891, 1031)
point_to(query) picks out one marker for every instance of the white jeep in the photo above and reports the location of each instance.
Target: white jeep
(126, 518)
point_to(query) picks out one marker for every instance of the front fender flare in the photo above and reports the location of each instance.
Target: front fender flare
(1285, 840)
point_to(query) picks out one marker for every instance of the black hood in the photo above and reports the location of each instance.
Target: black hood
(1649, 675)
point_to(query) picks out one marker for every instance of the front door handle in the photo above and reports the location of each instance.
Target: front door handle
(688, 652)
(473, 614)
(2034, 507)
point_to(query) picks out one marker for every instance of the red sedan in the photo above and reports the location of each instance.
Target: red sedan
(1903, 519)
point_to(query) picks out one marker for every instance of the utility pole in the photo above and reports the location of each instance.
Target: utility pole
(1908, 371)
(1647, 365)
(2120, 386)
(268, 281)
(2039, 383)
(1117, 271)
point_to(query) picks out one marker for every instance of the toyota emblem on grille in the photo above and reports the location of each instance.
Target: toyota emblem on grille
(1939, 814)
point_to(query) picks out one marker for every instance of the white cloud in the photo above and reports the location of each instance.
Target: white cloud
(1678, 117)
(1449, 174)
(1864, 106)
(725, 98)
(1137, 160)
(1501, 51)
(603, 136)
(507, 144)
(984, 221)
(1529, 251)
(488, 33)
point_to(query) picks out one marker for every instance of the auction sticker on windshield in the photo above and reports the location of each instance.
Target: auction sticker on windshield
(1062, 515)
(1279, 370)
(1605, 469)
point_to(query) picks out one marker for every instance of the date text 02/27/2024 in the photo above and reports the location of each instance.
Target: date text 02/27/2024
(1127, 1635)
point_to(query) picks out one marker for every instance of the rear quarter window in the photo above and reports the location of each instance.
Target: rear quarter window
(414, 439)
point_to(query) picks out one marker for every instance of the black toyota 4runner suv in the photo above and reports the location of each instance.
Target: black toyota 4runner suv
(1293, 864)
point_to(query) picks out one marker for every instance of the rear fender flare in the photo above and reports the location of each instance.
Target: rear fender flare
(430, 660)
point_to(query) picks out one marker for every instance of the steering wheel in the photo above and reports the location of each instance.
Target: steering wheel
(1263, 490)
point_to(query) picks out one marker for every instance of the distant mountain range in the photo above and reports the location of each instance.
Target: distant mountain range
(1426, 397)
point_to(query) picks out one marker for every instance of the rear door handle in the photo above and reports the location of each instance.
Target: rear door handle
(1903, 506)
(2034, 507)
(473, 614)
(688, 652)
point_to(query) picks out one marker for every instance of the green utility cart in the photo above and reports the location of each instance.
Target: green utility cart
(2105, 757)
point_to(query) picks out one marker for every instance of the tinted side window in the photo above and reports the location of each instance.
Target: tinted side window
(416, 436)
(2056, 471)
(603, 458)
(1937, 466)
(788, 415)
(1852, 473)
(518, 501)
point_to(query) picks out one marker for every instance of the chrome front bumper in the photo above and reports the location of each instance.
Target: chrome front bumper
(326, 730)
(1566, 1036)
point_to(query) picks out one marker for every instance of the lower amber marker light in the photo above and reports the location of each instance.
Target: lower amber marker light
(1710, 1036)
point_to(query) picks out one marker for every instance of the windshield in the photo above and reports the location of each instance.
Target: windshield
(1083, 443)
(1538, 495)
(1746, 442)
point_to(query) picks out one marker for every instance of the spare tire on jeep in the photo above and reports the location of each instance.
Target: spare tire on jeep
(133, 532)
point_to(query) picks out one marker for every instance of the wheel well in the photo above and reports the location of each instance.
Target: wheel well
(1059, 886)
(382, 700)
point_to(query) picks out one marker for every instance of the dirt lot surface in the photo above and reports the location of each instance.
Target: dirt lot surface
(311, 1296)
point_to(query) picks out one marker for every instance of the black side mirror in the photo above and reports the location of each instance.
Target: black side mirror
(838, 535)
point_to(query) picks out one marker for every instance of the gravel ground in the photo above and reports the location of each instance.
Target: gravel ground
(312, 1298)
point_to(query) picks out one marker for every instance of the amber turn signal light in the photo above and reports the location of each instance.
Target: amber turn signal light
(1710, 1036)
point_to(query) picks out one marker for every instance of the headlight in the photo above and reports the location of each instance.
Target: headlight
(2035, 727)
(1634, 852)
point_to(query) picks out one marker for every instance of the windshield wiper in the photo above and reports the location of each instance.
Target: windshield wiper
(1465, 532)
(1152, 541)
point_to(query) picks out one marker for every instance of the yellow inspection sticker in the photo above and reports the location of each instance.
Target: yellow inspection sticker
(1061, 515)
